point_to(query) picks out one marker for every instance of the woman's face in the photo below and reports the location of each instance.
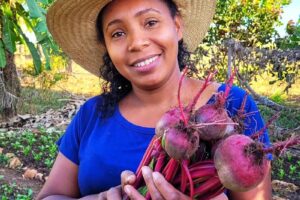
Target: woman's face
(141, 38)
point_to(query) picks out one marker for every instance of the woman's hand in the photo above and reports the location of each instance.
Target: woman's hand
(157, 186)
(115, 193)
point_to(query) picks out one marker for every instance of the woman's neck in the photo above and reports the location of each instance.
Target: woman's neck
(165, 94)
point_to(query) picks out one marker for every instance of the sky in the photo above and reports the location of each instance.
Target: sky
(291, 11)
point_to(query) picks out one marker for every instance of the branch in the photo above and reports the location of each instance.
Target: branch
(261, 99)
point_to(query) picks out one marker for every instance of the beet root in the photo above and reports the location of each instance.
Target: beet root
(213, 122)
(170, 119)
(240, 162)
(180, 144)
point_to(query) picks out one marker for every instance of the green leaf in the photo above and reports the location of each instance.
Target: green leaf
(41, 27)
(40, 36)
(44, 2)
(34, 9)
(9, 35)
(2, 56)
(143, 190)
(6, 10)
(33, 50)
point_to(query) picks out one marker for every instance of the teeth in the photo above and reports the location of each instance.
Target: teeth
(146, 62)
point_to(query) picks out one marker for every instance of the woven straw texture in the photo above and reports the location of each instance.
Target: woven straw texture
(72, 24)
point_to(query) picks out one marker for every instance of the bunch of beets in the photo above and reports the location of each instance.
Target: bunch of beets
(203, 151)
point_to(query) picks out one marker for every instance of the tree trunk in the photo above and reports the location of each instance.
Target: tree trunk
(12, 88)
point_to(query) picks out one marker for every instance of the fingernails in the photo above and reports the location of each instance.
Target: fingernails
(145, 170)
(156, 176)
(127, 190)
(130, 179)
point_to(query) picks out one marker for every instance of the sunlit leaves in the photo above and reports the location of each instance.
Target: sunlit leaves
(33, 50)
(32, 14)
(249, 21)
(9, 35)
(34, 10)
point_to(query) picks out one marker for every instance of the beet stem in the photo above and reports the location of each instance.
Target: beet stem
(179, 99)
(278, 147)
(148, 196)
(262, 130)
(210, 184)
(202, 163)
(171, 170)
(248, 114)
(200, 125)
(196, 174)
(184, 164)
(217, 192)
(204, 86)
(183, 180)
(229, 84)
(160, 162)
(145, 161)
(241, 111)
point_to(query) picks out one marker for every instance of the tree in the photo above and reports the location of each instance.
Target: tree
(13, 13)
(242, 36)
(251, 22)
(292, 40)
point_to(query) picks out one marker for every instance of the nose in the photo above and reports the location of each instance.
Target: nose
(138, 41)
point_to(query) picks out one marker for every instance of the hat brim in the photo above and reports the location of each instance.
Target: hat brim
(72, 24)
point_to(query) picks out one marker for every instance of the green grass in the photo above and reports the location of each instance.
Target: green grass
(37, 101)
(289, 119)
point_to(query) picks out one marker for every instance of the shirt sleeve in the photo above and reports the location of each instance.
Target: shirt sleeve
(253, 121)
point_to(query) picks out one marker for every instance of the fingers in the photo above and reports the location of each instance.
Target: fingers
(102, 196)
(158, 187)
(154, 192)
(114, 193)
(127, 178)
(132, 193)
(220, 197)
(166, 189)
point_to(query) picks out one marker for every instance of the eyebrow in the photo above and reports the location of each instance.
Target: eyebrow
(116, 21)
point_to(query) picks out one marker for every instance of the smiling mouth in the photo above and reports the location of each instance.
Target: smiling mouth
(146, 62)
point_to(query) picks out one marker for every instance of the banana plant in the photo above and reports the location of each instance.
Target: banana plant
(17, 14)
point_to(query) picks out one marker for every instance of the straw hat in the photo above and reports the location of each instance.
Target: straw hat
(72, 24)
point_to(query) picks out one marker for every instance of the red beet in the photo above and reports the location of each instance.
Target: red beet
(213, 121)
(241, 162)
(180, 143)
(169, 120)
(179, 139)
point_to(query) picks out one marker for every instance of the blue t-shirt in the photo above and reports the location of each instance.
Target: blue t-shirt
(103, 149)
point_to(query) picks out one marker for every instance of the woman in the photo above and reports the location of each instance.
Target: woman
(143, 54)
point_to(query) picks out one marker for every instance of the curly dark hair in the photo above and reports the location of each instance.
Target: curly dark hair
(115, 87)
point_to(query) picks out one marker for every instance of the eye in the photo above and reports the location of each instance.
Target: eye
(118, 34)
(151, 22)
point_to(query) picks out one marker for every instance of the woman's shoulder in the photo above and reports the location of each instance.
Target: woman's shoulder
(234, 90)
(92, 102)
(89, 109)
(237, 96)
